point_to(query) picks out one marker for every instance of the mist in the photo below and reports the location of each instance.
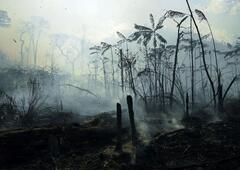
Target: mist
(143, 73)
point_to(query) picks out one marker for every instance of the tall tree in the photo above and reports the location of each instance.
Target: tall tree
(69, 46)
(174, 15)
(202, 17)
(31, 31)
(98, 50)
(146, 34)
(106, 47)
(203, 55)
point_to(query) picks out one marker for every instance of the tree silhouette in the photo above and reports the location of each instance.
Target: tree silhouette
(105, 48)
(174, 15)
(145, 35)
(98, 50)
(203, 55)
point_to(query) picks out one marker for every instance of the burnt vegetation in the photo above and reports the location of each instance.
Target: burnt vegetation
(144, 104)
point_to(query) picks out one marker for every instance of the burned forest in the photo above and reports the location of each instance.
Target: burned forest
(115, 85)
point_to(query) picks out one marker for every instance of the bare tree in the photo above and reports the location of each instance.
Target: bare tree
(145, 34)
(173, 15)
(31, 31)
(69, 46)
(203, 55)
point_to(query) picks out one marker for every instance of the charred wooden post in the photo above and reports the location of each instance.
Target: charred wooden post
(132, 122)
(119, 128)
(133, 128)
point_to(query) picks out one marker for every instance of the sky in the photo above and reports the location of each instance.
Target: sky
(98, 20)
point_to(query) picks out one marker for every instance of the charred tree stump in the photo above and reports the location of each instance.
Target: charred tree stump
(133, 128)
(119, 128)
(132, 122)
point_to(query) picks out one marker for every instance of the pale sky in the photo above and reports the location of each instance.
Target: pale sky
(98, 20)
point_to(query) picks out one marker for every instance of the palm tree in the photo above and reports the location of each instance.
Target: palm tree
(146, 34)
(202, 17)
(107, 47)
(125, 40)
(203, 55)
(98, 50)
(174, 14)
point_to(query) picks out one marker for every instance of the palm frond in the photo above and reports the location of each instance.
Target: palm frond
(174, 14)
(205, 36)
(121, 41)
(141, 28)
(160, 23)
(95, 48)
(146, 39)
(121, 35)
(104, 44)
(140, 40)
(152, 21)
(134, 36)
(160, 38)
(105, 49)
(200, 15)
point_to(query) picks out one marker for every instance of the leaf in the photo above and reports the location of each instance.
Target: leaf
(121, 35)
(139, 41)
(95, 48)
(205, 36)
(160, 22)
(105, 49)
(141, 28)
(146, 39)
(152, 21)
(134, 36)
(174, 14)
(121, 41)
(200, 15)
(104, 44)
(160, 38)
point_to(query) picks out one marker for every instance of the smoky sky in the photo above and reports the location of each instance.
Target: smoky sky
(98, 20)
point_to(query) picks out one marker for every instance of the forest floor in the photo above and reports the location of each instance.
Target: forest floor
(90, 145)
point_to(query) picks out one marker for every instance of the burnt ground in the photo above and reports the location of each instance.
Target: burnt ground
(90, 145)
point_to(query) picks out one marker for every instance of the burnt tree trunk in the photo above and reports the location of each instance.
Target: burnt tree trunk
(132, 122)
(203, 55)
(133, 129)
(119, 128)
